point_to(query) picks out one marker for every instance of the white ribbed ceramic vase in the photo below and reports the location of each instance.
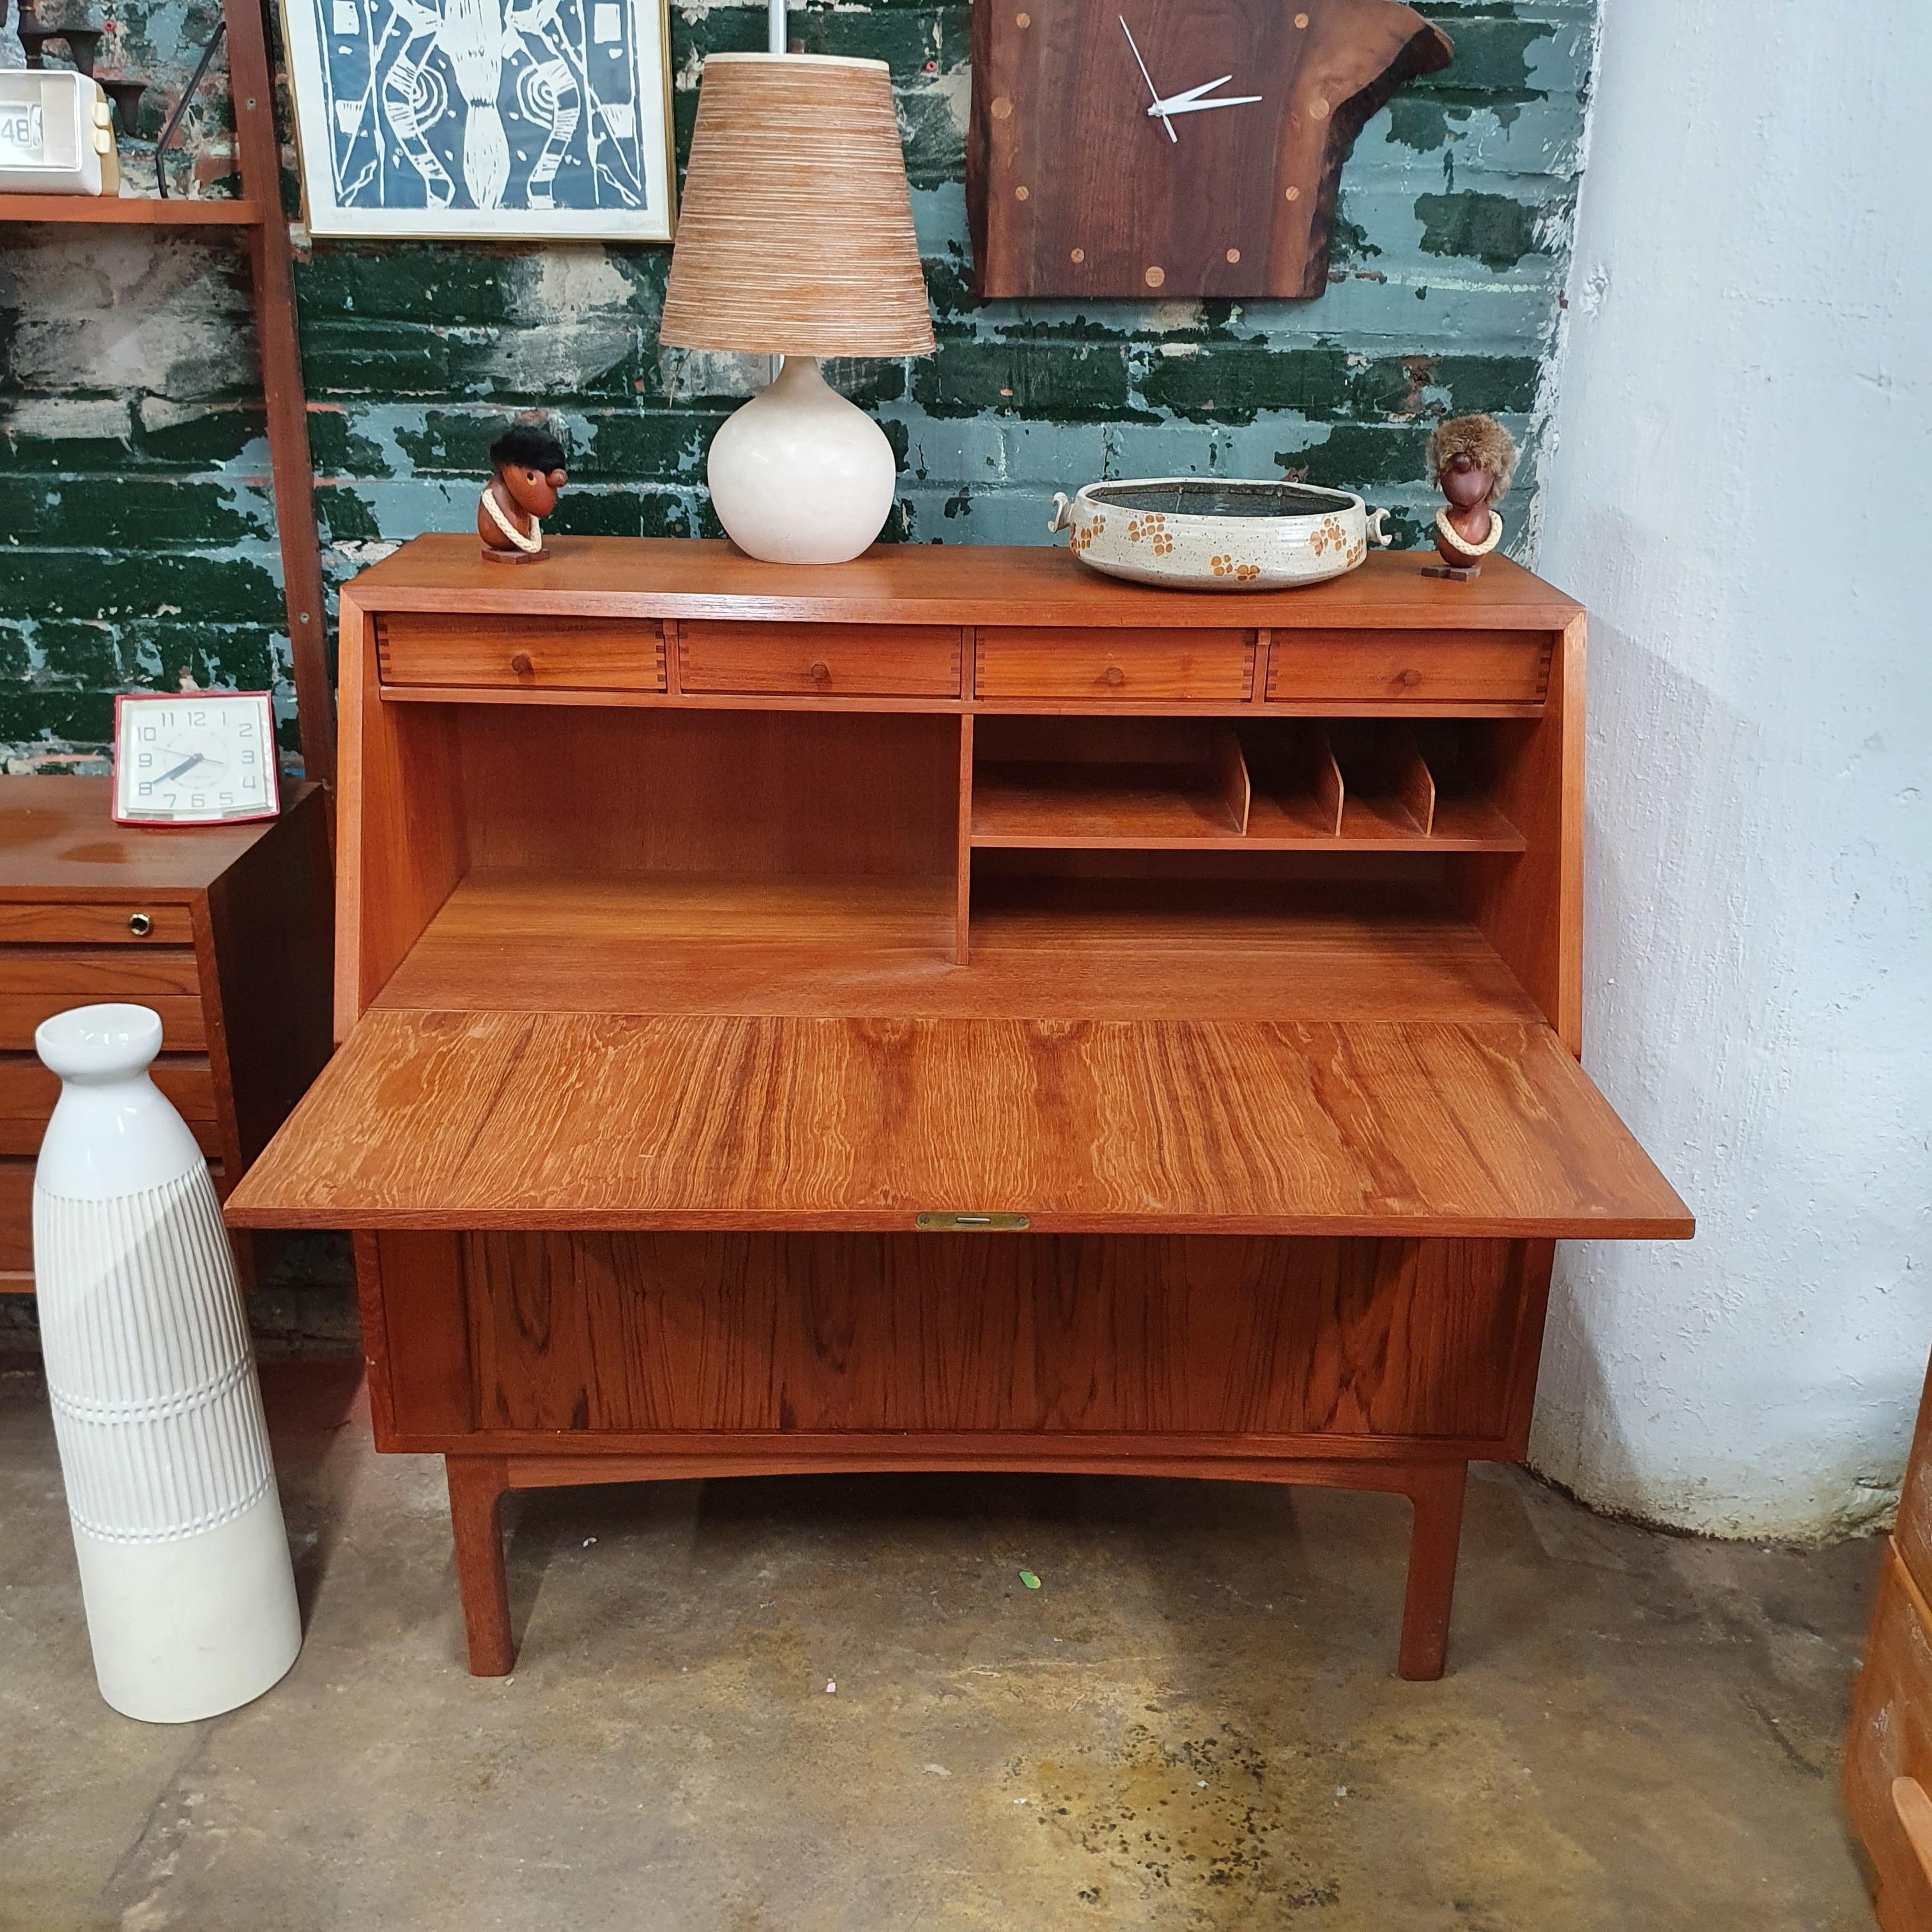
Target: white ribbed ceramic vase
(185, 1565)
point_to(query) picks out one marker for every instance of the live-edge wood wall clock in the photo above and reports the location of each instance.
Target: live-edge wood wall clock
(1074, 188)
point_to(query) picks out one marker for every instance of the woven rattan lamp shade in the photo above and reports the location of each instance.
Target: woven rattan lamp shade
(794, 237)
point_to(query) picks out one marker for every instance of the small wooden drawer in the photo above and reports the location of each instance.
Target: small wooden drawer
(23, 1137)
(520, 653)
(28, 1091)
(85, 974)
(829, 660)
(1428, 667)
(16, 1215)
(1121, 666)
(17, 1205)
(1891, 1739)
(183, 1023)
(81, 922)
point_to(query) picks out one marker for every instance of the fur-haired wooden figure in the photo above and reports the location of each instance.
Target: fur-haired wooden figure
(1472, 460)
(529, 476)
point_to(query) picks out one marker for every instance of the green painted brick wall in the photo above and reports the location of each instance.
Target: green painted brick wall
(139, 533)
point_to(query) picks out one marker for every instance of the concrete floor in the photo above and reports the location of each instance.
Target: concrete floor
(1191, 1724)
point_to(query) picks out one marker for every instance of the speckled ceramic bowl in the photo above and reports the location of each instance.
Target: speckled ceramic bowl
(1214, 536)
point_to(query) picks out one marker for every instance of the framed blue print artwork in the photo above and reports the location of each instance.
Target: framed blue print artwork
(485, 120)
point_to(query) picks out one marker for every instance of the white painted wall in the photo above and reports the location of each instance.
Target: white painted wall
(1739, 492)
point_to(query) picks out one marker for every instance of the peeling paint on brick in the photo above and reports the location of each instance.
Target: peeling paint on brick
(133, 470)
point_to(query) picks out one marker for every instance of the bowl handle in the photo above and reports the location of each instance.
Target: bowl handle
(1062, 518)
(1374, 523)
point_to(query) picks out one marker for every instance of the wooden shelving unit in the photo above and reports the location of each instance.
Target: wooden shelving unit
(257, 217)
(1167, 784)
(128, 211)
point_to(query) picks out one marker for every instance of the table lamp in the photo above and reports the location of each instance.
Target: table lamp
(795, 239)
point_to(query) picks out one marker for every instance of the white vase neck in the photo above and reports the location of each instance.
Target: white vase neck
(113, 1132)
(96, 1044)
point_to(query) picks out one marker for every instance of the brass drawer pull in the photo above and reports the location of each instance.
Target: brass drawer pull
(970, 1224)
(520, 663)
(139, 924)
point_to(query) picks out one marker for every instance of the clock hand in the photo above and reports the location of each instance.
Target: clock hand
(1167, 107)
(1152, 91)
(184, 766)
(1194, 93)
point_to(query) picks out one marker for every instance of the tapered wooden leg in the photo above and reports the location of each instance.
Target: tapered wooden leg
(1436, 1491)
(476, 1486)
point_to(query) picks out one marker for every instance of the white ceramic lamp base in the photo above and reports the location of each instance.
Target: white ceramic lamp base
(800, 475)
(184, 1566)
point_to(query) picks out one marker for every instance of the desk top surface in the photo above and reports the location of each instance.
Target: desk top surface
(934, 584)
(58, 834)
(509, 1119)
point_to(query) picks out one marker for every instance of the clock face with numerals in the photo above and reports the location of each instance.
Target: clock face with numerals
(1171, 148)
(194, 758)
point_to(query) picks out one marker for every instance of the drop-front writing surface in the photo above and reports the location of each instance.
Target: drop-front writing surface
(708, 929)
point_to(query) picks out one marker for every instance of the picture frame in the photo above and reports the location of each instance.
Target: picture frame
(483, 120)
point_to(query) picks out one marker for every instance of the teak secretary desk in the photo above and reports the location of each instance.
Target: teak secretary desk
(951, 1010)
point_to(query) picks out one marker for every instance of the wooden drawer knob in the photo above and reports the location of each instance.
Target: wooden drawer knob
(1410, 678)
(521, 663)
(139, 924)
(820, 671)
(1115, 676)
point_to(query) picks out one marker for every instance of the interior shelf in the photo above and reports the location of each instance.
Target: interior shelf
(128, 211)
(1150, 784)
(1175, 783)
(552, 940)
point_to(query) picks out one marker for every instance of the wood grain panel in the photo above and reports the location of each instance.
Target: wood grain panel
(876, 947)
(28, 1091)
(1432, 667)
(820, 660)
(537, 652)
(402, 840)
(490, 1121)
(272, 924)
(16, 1214)
(934, 584)
(1912, 1531)
(1531, 908)
(86, 974)
(134, 923)
(24, 1137)
(1890, 1738)
(702, 791)
(1127, 665)
(59, 846)
(416, 1331)
(637, 1333)
(183, 1021)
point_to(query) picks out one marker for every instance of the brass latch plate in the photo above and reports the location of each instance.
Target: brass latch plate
(970, 1224)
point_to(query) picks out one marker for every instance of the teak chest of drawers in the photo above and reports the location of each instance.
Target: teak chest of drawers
(951, 1011)
(225, 931)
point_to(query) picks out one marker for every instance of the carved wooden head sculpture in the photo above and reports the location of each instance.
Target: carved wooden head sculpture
(529, 477)
(1472, 461)
(530, 464)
